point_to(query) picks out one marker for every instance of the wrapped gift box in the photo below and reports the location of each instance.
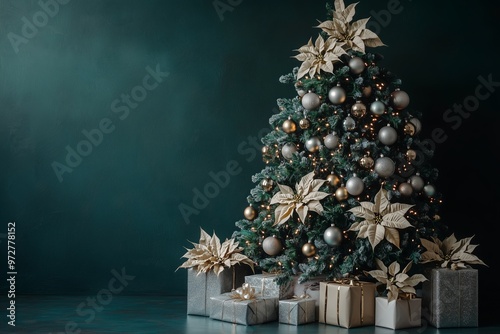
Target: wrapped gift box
(310, 288)
(244, 312)
(397, 314)
(266, 286)
(450, 298)
(205, 285)
(347, 304)
(297, 311)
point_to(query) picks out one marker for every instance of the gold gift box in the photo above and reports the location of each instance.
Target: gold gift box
(347, 304)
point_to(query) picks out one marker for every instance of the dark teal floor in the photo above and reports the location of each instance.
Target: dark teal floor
(146, 314)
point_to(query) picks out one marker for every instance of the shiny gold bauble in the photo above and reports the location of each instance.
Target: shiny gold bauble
(437, 217)
(265, 149)
(358, 109)
(411, 155)
(410, 129)
(333, 180)
(304, 123)
(308, 249)
(341, 194)
(250, 213)
(289, 126)
(366, 162)
(267, 184)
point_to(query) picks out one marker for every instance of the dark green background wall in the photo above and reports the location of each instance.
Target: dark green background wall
(120, 206)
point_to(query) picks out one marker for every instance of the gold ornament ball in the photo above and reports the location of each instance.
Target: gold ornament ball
(304, 123)
(289, 126)
(367, 91)
(333, 180)
(250, 213)
(358, 109)
(308, 249)
(405, 189)
(267, 184)
(410, 129)
(341, 194)
(411, 155)
(366, 162)
(265, 149)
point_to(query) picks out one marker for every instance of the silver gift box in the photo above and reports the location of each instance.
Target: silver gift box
(297, 311)
(244, 312)
(398, 314)
(266, 286)
(450, 298)
(205, 285)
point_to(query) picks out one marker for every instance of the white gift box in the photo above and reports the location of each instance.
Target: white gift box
(397, 314)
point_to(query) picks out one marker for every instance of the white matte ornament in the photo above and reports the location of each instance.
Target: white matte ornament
(313, 144)
(332, 236)
(355, 186)
(385, 167)
(272, 246)
(288, 150)
(429, 190)
(417, 182)
(311, 101)
(337, 95)
(377, 108)
(349, 123)
(332, 141)
(357, 65)
(387, 135)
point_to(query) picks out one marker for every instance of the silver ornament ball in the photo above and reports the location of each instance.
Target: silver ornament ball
(332, 141)
(417, 183)
(272, 246)
(337, 95)
(400, 99)
(357, 65)
(311, 101)
(377, 108)
(313, 144)
(332, 236)
(355, 186)
(301, 92)
(429, 190)
(418, 125)
(349, 123)
(385, 167)
(387, 135)
(288, 150)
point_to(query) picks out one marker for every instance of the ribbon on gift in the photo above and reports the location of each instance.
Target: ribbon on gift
(245, 292)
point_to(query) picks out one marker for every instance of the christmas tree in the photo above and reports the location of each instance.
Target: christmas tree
(346, 181)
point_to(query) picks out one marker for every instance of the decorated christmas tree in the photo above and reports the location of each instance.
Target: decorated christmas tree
(346, 182)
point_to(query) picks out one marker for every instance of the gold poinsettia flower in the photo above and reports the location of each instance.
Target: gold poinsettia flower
(396, 282)
(305, 198)
(209, 254)
(450, 252)
(355, 35)
(319, 56)
(381, 219)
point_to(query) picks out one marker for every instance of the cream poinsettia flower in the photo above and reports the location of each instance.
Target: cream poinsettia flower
(210, 255)
(305, 198)
(396, 282)
(355, 35)
(381, 219)
(319, 56)
(450, 252)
